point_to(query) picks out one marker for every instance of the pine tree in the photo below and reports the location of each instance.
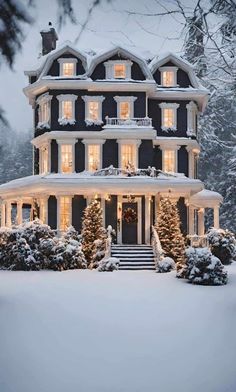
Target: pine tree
(168, 229)
(93, 233)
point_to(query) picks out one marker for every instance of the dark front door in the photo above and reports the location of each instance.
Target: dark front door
(129, 223)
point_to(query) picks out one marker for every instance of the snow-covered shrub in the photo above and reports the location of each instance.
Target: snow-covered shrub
(34, 231)
(202, 267)
(222, 244)
(66, 255)
(108, 264)
(166, 264)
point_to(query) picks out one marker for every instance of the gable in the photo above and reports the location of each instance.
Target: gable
(54, 69)
(183, 79)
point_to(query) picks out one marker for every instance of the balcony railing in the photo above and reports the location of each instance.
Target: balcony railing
(130, 122)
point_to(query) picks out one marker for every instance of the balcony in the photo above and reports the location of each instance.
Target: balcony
(145, 122)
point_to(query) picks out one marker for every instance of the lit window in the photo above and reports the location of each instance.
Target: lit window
(168, 116)
(119, 71)
(66, 158)
(44, 102)
(93, 157)
(43, 210)
(43, 160)
(168, 78)
(68, 69)
(169, 161)
(44, 112)
(128, 156)
(124, 110)
(67, 110)
(168, 120)
(65, 212)
(125, 107)
(93, 110)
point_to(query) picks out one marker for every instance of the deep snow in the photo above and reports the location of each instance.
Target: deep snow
(115, 332)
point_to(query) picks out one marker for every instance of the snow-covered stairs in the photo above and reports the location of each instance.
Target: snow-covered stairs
(134, 257)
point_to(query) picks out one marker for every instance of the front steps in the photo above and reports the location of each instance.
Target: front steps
(134, 257)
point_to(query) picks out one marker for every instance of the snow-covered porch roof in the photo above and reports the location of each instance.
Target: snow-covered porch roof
(206, 199)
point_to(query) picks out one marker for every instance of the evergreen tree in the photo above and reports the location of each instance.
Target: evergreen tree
(168, 229)
(93, 234)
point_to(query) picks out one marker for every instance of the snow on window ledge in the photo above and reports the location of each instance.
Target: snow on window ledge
(90, 122)
(167, 129)
(42, 125)
(65, 121)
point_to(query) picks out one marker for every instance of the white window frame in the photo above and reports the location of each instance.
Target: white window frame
(59, 200)
(170, 148)
(45, 98)
(135, 144)
(110, 69)
(96, 98)
(92, 142)
(174, 106)
(169, 69)
(66, 97)
(64, 60)
(71, 142)
(129, 99)
(192, 111)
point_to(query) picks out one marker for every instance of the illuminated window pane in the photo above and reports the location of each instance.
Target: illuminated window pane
(127, 156)
(168, 78)
(124, 110)
(44, 160)
(93, 110)
(65, 212)
(93, 157)
(43, 211)
(169, 118)
(67, 110)
(66, 158)
(169, 161)
(44, 112)
(120, 71)
(68, 69)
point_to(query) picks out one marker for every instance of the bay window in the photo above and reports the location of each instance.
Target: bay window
(118, 69)
(66, 108)
(168, 76)
(169, 116)
(67, 67)
(125, 107)
(93, 109)
(64, 212)
(44, 110)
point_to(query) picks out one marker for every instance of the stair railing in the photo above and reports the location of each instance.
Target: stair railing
(110, 231)
(156, 246)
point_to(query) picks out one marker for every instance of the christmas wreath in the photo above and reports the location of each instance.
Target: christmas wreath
(129, 215)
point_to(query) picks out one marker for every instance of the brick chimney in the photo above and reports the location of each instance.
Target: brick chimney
(49, 38)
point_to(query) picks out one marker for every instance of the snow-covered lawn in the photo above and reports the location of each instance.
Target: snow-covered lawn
(115, 332)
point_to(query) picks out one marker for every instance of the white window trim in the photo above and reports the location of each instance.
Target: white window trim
(59, 211)
(48, 146)
(191, 118)
(66, 97)
(96, 98)
(169, 69)
(64, 60)
(71, 142)
(129, 99)
(135, 143)
(97, 142)
(110, 71)
(165, 105)
(170, 148)
(45, 98)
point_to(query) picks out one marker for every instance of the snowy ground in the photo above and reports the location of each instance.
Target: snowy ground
(115, 332)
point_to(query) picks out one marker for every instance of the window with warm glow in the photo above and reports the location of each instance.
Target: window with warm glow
(43, 211)
(93, 157)
(168, 78)
(67, 109)
(66, 158)
(128, 156)
(169, 161)
(44, 112)
(93, 110)
(124, 110)
(65, 212)
(44, 160)
(168, 118)
(68, 69)
(120, 71)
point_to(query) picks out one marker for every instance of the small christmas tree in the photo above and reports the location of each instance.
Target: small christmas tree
(168, 229)
(93, 234)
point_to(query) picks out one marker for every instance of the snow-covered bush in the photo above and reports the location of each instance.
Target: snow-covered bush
(166, 264)
(222, 244)
(202, 267)
(108, 264)
(66, 254)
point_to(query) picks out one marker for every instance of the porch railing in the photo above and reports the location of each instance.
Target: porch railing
(108, 241)
(130, 122)
(156, 246)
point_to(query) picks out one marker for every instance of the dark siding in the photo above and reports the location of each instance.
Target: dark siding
(78, 206)
(55, 67)
(183, 215)
(32, 79)
(157, 159)
(54, 156)
(79, 157)
(146, 154)
(36, 160)
(183, 161)
(111, 213)
(52, 212)
(182, 76)
(110, 153)
(143, 219)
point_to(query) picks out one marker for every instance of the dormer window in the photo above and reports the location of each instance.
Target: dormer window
(125, 107)
(168, 76)
(168, 116)
(93, 109)
(44, 102)
(67, 67)
(118, 69)
(66, 108)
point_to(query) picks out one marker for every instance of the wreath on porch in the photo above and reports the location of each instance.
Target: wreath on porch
(129, 215)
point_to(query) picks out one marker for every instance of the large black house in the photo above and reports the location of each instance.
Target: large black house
(117, 128)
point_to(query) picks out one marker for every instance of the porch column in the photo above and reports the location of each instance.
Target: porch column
(157, 202)
(19, 212)
(43, 210)
(201, 227)
(191, 220)
(147, 220)
(3, 214)
(103, 209)
(190, 162)
(8, 220)
(216, 217)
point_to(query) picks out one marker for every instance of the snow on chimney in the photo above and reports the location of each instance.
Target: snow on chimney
(49, 38)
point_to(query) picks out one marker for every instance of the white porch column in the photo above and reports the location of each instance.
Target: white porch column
(147, 220)
(216, 217)
(119, 219)
(8, 220)
(191, 220)
(19, 212)
(201, 226)
(103, 210)
(190, 162)
(3, 214)
(43, 209)
(157, 202)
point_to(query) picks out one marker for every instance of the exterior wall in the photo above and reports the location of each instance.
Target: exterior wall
(110, 153)
(183, 161)
(52, 212)
(36, 160)
(79, 156)
(182, 77)
(183, 215)
(54, 156)
(157, 158)
(146, 154)
(78, 206)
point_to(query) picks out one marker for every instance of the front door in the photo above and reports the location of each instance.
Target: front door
(129, 222)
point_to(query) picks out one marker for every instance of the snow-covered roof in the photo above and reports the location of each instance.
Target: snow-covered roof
(206, 198)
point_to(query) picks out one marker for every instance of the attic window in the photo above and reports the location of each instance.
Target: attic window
(168, 76)
(118, 69)
(67, 67)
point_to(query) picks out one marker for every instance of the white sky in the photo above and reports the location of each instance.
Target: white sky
(108, 25)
